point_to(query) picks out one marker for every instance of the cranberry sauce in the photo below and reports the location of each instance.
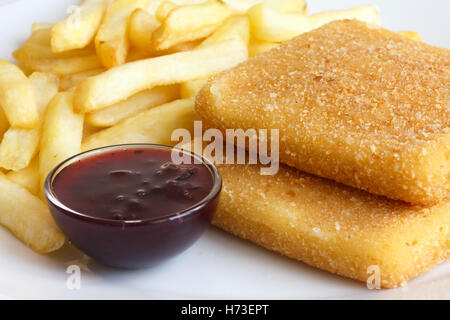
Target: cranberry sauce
(131, 184)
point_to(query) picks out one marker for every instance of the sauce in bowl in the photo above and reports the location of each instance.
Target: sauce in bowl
(131, 184)
(130, 206)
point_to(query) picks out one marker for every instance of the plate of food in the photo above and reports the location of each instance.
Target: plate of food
(250, 149)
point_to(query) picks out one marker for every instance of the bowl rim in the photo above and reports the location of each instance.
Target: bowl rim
(53, 200)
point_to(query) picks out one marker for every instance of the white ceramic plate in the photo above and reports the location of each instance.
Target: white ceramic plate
(218, 266)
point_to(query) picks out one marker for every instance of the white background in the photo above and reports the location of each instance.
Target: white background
(219, 265)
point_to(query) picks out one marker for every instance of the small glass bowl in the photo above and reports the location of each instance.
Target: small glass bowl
(133, 243)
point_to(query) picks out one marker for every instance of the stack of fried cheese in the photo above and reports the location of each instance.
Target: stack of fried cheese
(363, 107)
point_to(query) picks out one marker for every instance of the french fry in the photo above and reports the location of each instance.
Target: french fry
(78, 29)
(271, 25)
(287, 6)
(62, 132)
(45, 87)
(36, 55)
(25, 69)
(188, 23)
(137, 103)
(41, 25)
(161, 8)
(72, 80)
(89, 130)
(135, 55)
(32, 51)
(411, 35)
(242, 6)
(27, 177)
(152, 126)
(111, 41)
(191, 88)
(63, 67)
(236, 27)
(40, 36)
(164, 9)
(257, 47)
(153, 6)
(141, 27)
(17, 97)
(19, 146)
(187, 2)
(4, 124)
(28, 218)
(185, 46)
(38, 46)
(119, 83)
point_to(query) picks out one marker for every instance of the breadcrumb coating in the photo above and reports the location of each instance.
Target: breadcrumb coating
(331, 226)
(355, 103)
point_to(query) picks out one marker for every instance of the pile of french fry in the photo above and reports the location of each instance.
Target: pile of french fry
(121, 71)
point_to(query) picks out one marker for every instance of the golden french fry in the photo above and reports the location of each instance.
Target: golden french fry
(161, 8)
(411, 35)
(41, 25)
(137, 103)
(273, 26)
(257, 47)
(32, 51)
(287, 6)
(25, 69)
(241, 6)
(38, 46)
(28, 218)
(17, 97)
(19, 146)
(164, 9)
(152, 126)
(141, 27)
(185, 46)
(41, 36)
(111, 41)
(4, 124)
(62, 132)
(119, 83)
(27, 177)
(37, 55)
(188, 23)
(236, 27)
(45, 87)
(89, 130)
(67, 66)
(191, 88)
(78, 29)
(72, 80)
(135, 55)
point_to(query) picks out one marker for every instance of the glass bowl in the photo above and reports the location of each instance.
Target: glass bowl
(133, 243)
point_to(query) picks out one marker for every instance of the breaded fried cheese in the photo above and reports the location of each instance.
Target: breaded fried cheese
(354, 103)
(333, 227)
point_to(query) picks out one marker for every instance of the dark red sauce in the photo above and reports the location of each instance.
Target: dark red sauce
(131, 184)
